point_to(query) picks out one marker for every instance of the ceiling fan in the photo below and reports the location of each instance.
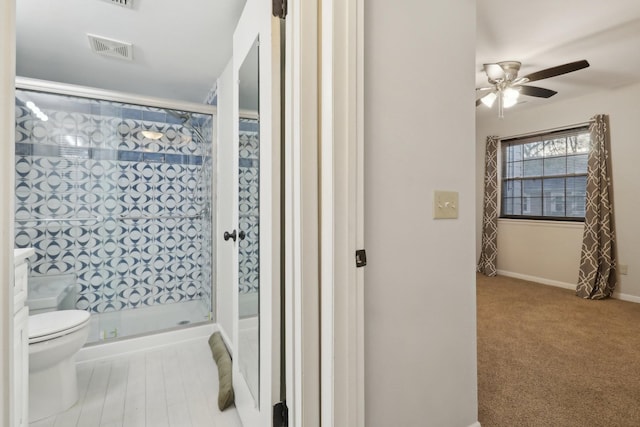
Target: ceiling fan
(506, 86)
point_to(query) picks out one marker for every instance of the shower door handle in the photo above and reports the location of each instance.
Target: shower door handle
(231, 235)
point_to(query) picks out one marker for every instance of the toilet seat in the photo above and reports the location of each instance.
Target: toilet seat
(53, 324)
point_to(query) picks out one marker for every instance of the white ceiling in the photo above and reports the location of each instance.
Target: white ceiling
(545, 33)
(180, 47)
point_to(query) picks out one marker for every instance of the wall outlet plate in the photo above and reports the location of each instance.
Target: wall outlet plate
(623, 268)
(445, 204)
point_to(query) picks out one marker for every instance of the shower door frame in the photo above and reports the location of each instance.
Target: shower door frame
(27, 83)
(64, 89)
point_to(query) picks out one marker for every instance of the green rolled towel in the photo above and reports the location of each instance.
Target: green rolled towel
(223, 360)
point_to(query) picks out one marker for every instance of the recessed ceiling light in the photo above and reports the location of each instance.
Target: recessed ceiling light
(151, 134)
(123, 3)
(36, 111)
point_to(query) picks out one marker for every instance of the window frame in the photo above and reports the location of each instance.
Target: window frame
(540, 137)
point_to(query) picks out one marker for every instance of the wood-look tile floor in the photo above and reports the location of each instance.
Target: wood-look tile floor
(171, 386)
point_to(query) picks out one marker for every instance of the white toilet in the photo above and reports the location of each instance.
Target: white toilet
(56, 333)
(54, 339)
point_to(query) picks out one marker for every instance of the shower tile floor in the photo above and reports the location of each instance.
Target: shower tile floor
(125, 323)
(176, 385)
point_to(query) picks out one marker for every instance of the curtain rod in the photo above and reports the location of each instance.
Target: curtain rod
(538, 132)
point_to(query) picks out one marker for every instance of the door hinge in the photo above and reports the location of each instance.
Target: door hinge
(280, 8)
(280, 415)
(361, 258)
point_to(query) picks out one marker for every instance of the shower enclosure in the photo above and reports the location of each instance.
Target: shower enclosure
(117, 200)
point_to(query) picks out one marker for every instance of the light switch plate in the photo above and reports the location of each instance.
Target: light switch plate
(445, 204)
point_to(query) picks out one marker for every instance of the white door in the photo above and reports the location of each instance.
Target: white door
(256, 182)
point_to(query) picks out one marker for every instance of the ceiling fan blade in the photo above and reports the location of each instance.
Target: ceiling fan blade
(494, 71)
(478, 101)
(557, 71)
(540, 92)
(480, 89)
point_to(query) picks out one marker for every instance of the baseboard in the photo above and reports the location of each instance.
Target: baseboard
(558, 284)
(536, 279)
(626, 297)
(476, 424)
(124, 346)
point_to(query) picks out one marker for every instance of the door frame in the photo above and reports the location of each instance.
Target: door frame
(7, 191)
(324, 212)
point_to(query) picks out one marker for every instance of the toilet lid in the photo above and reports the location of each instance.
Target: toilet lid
(55, 323)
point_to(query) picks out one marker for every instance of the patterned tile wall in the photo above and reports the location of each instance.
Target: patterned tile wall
(128, 209)
(249, 206)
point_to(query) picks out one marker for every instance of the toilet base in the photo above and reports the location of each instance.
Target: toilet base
(52, 390)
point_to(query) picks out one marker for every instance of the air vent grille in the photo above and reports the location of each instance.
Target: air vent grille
(109, 47)
(123, 3)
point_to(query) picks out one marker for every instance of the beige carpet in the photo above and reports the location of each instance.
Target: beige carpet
(549, 358)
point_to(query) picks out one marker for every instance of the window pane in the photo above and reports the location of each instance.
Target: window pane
(532, 188)
(512, 188)
(553, 187)
(507, 206)
(514, 153)
(554, 206)
(555, 147)
(577, 186)
(532, 206)
(517, 188)
(513, 170)
(532, 150)
(579, 144)
(555, 166)
(517, 206)
(575, 207)
(512, 206)
(547, 177)
(532, 167)
(577, 164)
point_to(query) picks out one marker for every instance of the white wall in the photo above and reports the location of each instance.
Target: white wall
(225, 284)
(420, 318)
(554, 253)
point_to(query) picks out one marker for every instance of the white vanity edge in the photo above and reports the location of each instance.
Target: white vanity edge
(20, 255)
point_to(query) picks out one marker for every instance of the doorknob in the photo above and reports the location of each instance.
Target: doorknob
(231, 235)
(241, 235)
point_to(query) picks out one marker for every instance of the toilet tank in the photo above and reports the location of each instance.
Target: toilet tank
(51, 293)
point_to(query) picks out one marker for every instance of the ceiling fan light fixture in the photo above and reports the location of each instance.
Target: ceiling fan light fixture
(510, 97)
(506, 86)
(489, 99)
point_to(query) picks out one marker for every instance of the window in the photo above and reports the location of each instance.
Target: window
(545, 176)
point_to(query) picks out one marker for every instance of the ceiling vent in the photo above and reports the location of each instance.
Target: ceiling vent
(123, 3)
(110, 47)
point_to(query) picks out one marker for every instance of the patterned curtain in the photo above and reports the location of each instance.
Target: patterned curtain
(489, 253)
(597, 276)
